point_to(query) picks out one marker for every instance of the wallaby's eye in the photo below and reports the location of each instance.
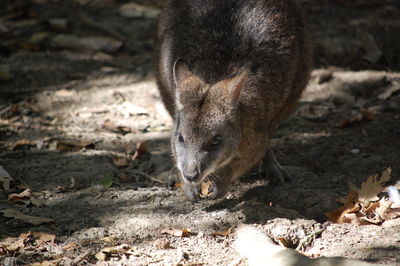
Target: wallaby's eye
(216, 141)
(180, 138)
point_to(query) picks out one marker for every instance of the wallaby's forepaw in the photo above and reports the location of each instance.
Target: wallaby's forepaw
(273, 170)
(276, 174)
(217, 191)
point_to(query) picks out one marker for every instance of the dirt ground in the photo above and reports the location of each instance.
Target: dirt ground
(81, 71)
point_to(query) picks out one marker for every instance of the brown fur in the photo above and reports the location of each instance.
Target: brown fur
(229, 71)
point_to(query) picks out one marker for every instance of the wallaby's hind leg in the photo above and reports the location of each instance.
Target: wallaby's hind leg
(273, 170)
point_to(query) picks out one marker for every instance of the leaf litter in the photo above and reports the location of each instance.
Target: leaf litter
(364, 206)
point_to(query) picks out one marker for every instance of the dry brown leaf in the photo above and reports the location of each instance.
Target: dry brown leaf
(109, 125)
(74, 145)
(19, 143)
(120, 161)
(351, 218)
(12, 244)
(372, 187)
(223, 233)
(11, 213)
(108, 239)
(177, 232)
(140, 149)
(71, 246)
(351, 205)
(41, 237)
(24, 196)
(114, 251)
(282, 242)
(364, 115)
(383, 207)
(205, 188)
(162, 244)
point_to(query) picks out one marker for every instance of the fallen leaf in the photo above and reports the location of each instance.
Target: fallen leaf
(64, 93)
(364, 115)
(223, 233)
(363, 206)
(109, 125)
(162, 244)
(205, 189)
(106, 181)
(71, 246)
(12, 213)
(115, 252)
(41, 237)
(108, 239)
(282, 242)
(12, 244)
(39, 37)
(372, 187)
(104, 44)
(140, 149)
(24, 196)
(74, 145)
(177, 232)
(124, 177)
(19, 143)
(120, 161)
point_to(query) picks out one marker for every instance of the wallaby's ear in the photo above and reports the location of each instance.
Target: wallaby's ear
(181, 71)
(235, 86)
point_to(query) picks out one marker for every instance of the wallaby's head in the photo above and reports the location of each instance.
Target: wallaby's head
(207, 123)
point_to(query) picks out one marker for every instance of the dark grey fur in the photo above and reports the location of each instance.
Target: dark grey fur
(260, 50)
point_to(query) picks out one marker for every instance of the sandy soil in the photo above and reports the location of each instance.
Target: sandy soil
(55, 89)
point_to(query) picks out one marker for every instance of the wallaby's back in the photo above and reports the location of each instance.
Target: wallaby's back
(220, 38)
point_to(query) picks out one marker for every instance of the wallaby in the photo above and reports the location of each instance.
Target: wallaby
(228, 72)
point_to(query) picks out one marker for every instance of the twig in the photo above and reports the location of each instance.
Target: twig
(309, 237)
(151, 178)
(81, 257)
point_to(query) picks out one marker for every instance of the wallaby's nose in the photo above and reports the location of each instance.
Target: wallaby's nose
(190, 176)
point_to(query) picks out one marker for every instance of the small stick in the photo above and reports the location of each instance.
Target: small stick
(309, 237)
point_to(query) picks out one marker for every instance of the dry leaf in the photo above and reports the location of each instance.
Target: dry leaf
(24, 196)
(70, 246)
(364, 115)
(109, 125)
(205, 188)
(108, 239)
(282, 242)
(19, 143)
(12, 244)
(351, 205)
(162, 244)
(140, 149)
(114, 251)
(223, 233)
(11, 213)
(104, 44)
(74, 145)
(177, 232)
(41, 238)
(372, 187)
(120, 161)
